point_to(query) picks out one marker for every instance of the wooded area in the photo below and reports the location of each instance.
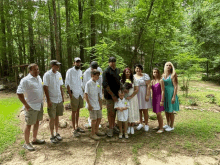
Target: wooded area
(149, 32)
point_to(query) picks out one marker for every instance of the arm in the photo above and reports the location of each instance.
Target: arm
(87, 100)
(162, 93)
(134, 93)
(21, 98)
(100, 102)
(69, 92)
(49, 104)
(61, 89)
(174, 80)
(148, 90)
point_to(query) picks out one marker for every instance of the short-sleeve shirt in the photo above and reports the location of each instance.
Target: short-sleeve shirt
(32, 89)
(53, 81)
(93, 90)
(111, 78)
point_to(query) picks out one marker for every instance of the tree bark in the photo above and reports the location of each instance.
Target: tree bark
(93, 30)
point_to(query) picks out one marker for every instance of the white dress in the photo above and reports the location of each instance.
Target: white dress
(143, 104)
(133, 111)
(122, 116)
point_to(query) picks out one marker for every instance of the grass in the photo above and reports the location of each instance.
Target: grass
(8, 126)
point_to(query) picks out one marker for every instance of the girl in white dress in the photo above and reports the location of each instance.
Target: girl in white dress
(131, 90)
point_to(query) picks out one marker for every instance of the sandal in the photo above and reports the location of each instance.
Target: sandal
(156, 128)
(159, 131)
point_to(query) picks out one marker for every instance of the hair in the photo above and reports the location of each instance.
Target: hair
(139, 66)
(31, 65)
(94, 65)
(173, 72)
(158, 71)
(112, 59)
(124, 75)
(95, 72)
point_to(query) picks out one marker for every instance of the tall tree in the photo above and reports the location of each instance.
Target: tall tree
(93, 29)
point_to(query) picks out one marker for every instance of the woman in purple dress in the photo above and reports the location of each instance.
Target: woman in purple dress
(157, 86)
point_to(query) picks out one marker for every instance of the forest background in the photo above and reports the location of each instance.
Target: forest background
(150, 32)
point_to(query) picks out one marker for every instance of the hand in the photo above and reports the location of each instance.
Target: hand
(115, 99)
(49, 104)
(128, 98)
(90, 107)
(100, 107)
(27, 107)
(147, 98)
(126, 91)
(63, 100)
(161, 103)
(173, 100)
(121, 109)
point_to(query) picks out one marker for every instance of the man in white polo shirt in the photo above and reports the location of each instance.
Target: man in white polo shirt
(30, 93)
(73, 84)
(53, 82)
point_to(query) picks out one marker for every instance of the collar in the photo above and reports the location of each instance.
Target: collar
(30, 76)
(52, 71)
(75, 69)
(112, 69)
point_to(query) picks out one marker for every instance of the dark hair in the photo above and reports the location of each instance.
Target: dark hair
(158, 71)
(124, 76)
(94, 65)
(139, 66)
(112, 59)
(31, 65)
(95, 72)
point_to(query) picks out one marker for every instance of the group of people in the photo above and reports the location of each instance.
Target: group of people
(127, 95)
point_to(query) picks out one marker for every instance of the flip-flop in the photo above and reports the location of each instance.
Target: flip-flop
(159, 131)
(156, 128)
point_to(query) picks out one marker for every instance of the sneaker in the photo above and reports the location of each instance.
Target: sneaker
(126, 136)
(132, 130)
(120, 136)
(169, 129)
(116, 130)
(76, 133)
(110, 133)
(166, 126)
(146, 128)
(29, 147)
(100, 133)
(80, 130)
(37, 141)
(58, 137)
(95, 137)
(139, 126)
(129, 130)
(53, 140)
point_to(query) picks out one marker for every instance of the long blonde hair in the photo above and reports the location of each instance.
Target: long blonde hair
(173, 72)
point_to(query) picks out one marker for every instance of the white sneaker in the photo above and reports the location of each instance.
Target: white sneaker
(169, 129)
(146, 128)
(166, 126)
(139, 126)
(132, 130)
(129, 130)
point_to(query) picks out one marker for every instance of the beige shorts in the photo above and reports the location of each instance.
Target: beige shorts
(32, 116)
(95, 114)
(110, 106)
(76, 103)
(55, 110)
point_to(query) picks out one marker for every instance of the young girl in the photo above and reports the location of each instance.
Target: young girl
(122, 107)
(171, 103)
(131, 90)
(157, 86)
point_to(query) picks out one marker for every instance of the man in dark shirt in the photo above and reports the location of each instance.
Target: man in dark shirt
(111, 85)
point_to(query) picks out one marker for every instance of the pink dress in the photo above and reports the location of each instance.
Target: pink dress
(156, 89)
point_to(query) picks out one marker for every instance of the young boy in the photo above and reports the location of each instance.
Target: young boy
(94, 103)
(122, 107)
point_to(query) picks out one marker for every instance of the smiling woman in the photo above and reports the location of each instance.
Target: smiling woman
(8, 129)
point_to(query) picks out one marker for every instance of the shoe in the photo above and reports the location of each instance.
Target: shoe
(126, 136)
(29, 147)
(120, 136)
(53, 140)
(95, 137)
(116, 130)
(132, 130)
(156, 128)
(139, 126)
(159, 131)
(100, 133)
(37, 141)
(169, 129)
(146, 128)
(129, 130)
(166, 126)
(110, 133)
(58, 137)
(80, 130)
(76, 133)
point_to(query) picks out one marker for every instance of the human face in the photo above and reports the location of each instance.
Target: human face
(121, 95)
(138, 70)
(34, 71)
(55, 68)
(95, 77)
(77, 64)
(112, 65)
(127, 73)
(168, 66)
(155, 73)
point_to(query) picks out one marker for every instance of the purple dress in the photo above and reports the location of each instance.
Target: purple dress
(156, 89)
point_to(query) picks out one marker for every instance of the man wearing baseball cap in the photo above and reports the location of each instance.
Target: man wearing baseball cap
(52, 81)
(73, 84)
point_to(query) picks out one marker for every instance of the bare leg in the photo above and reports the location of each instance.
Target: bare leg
(167, 117)
(93, 126)
(160, 120)
(171, 120)
(145, 111)
(27, 133)
(125, 127)
(98, 121)
(51, 124)
(77, 118)
(141, 120)
(56, 123)
(73, 119)
(132, 124)
(35, 130)
(120, 126)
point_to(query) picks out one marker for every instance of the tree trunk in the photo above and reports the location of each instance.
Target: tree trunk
(31, 33)
(93, 30)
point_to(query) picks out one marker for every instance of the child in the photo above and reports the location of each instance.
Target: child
(122, 113)
(157, 86)
(94, 104)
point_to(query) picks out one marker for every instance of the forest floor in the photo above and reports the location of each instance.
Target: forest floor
(195, 140)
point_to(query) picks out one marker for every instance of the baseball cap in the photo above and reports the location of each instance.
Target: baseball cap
(94, 65)
(112, 59)
(77, 59)
(55, 62)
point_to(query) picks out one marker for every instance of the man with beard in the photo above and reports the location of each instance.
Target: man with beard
(74, 88)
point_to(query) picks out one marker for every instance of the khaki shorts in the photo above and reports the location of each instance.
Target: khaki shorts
(76, 103)
(32, 116)
(95, 114)
(110, 106)
(55, 110)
